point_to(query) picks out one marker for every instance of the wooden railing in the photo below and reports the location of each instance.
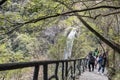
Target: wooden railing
(68, 69)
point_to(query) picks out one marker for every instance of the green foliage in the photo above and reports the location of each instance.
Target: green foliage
(26, 43)
(56, 51)
(117, 76)
(15, 55)
(83, 44)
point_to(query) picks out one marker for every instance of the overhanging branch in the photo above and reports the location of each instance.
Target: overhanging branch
(69, 12)
(104, 15)
(115, 47)
(100, 44)
(56, 15)
(2, 2)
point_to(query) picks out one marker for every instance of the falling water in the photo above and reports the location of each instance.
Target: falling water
(69, 43)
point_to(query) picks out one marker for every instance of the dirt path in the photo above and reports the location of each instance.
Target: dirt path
(93, 76)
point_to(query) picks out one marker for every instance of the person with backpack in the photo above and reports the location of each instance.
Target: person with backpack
(91, 61)
(102, 62)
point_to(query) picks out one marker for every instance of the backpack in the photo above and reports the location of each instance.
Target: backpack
(100, 60)
(91, 59)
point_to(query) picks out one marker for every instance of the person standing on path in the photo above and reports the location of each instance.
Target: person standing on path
(102, 62)
(91, 61)
(96, 53)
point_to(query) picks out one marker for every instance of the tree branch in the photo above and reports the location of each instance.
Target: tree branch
(73, 11)
(2, 2)
(115, 47)
(95, 17)
(100, 44)
(18, 25)
(104, 15)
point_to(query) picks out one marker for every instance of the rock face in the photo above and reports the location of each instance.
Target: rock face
(47, 37)
(51, 33)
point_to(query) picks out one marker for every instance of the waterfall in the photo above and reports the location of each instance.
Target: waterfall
(69, 43)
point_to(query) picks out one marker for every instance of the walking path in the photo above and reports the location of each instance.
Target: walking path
(93, 76)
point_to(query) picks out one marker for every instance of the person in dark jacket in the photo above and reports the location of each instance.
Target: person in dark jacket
(91, 61)
(102, 62)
